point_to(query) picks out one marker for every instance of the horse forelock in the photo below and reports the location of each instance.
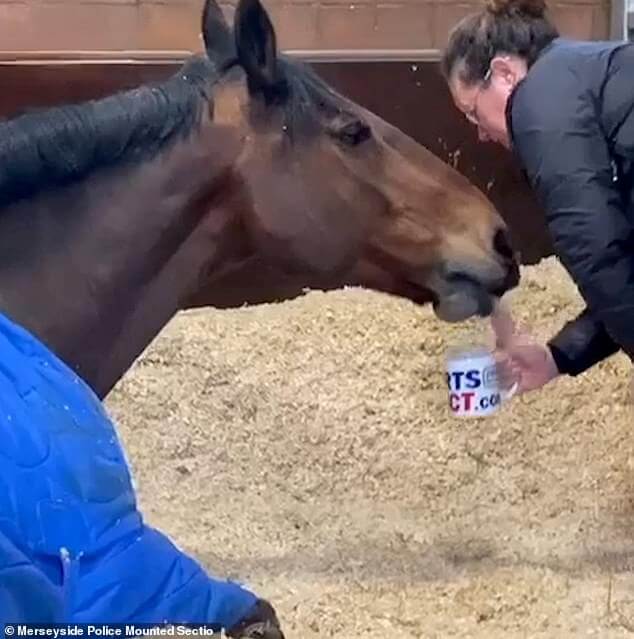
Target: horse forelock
(304, 100)
(311, 102)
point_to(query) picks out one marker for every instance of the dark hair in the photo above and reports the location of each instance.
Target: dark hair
(310, 105)
(517, 27)
(51, 147)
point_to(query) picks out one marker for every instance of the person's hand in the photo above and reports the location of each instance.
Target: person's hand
(521, 358)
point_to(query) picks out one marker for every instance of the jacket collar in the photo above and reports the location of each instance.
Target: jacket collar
(509, 104)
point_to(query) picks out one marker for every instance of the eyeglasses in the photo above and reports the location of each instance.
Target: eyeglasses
(472, 115)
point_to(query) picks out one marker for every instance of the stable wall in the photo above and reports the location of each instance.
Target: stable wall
(115, 25)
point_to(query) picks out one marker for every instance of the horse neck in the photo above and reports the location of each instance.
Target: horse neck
(95, 270)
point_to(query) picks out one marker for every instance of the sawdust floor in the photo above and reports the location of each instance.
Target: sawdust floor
(305, 449)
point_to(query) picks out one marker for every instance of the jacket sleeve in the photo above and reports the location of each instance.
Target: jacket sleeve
(580, 344)
(558, 138)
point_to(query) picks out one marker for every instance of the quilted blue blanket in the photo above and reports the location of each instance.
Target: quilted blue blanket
(73, 546)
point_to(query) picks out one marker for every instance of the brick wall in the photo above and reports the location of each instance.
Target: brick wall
(404, 24)
(301, 24)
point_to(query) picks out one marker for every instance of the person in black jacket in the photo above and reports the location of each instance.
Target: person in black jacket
(565, 108)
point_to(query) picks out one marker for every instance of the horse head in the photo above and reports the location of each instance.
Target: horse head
(336, 195)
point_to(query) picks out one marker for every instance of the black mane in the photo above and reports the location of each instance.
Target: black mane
(47, 148)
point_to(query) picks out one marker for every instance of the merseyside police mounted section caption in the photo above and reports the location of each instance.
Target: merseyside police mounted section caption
(58, 630)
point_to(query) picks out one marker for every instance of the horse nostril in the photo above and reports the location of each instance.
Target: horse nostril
(502, 244)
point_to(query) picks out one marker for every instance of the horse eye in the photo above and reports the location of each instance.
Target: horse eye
(354, 133)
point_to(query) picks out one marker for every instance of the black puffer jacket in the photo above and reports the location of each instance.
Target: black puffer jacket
(571, 122)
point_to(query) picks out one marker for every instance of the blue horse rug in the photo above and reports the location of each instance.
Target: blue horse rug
(73, 546)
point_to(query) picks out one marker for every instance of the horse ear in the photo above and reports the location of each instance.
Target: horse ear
(256, 46)
(217, 36)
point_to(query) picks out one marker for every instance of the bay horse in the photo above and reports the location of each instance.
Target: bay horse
(243, 175)
(116, 212)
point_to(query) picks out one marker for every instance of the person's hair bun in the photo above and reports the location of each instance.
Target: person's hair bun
(528, 8)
